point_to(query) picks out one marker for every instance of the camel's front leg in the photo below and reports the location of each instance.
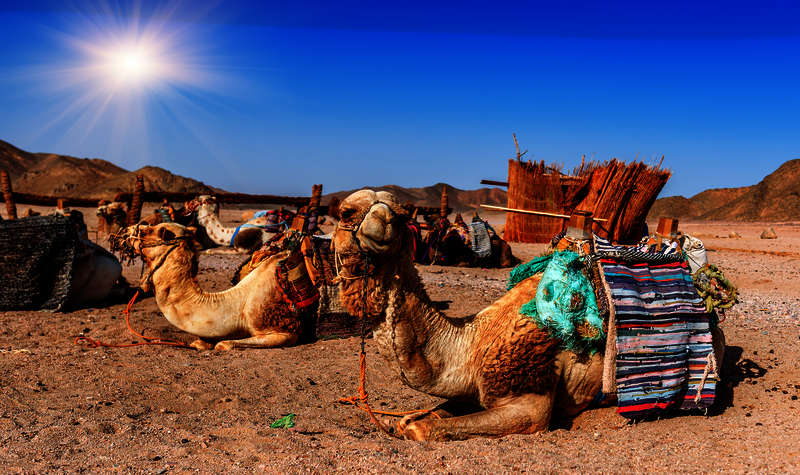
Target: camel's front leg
(267, 340)
(519, 415)
(445, 409)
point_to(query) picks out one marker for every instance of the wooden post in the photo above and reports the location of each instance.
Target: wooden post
(516, 144)
(8, 195)
(135, 212)
(443, 209)
(316, 195)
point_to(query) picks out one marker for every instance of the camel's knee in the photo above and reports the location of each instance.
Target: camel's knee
(201, 345)
(418, 430)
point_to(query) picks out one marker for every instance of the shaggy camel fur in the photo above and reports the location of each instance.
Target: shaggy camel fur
(501, 373)
(247, 239)
(253, 314)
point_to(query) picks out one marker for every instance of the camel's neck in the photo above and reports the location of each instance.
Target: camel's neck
(187, 306)
(429, 350)
(214, 229)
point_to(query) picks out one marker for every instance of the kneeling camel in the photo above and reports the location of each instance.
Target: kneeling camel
(500, 372)
(253, 314)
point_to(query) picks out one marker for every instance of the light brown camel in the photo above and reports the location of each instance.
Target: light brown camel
(254, 314)
(500, 372)
(250, 236)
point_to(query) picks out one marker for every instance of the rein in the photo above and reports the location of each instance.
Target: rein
(361, 401)
(148, 341)
(126, 249)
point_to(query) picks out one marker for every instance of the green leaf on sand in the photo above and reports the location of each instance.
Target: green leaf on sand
(285, 422)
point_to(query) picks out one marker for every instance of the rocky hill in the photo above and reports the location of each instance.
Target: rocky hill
(62, 175)
(775, 198)
(460, 200)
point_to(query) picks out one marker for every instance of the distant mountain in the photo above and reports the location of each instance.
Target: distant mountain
(62, 175)
(460, 200)
(775, 198)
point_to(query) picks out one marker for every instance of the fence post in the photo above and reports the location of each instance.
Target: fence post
(8, 195)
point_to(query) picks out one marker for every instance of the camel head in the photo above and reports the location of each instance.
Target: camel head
(372, 243)
(370, 222)
(153, 242)
(204, 205)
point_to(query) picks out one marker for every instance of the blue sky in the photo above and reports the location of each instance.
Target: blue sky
(272, 97)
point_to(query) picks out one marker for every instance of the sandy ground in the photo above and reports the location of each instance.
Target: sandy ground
(154, 409)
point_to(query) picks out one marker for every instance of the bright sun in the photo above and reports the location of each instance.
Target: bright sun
(132, 65)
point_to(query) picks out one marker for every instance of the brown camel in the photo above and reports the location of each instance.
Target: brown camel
(501, 373)
(256, 313)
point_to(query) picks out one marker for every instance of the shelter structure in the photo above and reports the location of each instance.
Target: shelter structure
(617, 194)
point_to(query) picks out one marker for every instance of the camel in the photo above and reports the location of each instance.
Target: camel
(449, 244)
(95, 272)
(500, 372)
(247, 237)
(256, 313)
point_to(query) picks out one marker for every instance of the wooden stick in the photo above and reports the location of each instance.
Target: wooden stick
(135, 211)
(8, 195)
(443, 209)
(526, 211)
(494, 183)
(516, 144)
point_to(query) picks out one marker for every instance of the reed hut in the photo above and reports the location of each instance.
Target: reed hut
(616, 192)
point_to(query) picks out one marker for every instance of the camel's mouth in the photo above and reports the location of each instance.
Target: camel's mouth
(127, 243)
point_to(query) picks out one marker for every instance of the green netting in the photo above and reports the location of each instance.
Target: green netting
(523, 271)
(564, 304)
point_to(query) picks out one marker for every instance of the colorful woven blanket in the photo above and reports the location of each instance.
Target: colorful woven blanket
(664, 352)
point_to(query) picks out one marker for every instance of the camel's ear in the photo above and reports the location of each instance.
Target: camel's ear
(333, 207)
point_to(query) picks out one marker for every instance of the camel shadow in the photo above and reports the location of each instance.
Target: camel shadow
(735, 371)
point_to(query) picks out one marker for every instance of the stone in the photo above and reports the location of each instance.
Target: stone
(769, 234)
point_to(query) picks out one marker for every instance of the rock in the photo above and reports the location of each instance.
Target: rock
(734, 235)
(769, 234)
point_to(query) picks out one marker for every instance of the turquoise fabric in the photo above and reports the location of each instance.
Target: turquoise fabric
(565, 304)
(523, 271)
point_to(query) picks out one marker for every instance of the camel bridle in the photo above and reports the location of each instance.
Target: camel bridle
(127, 248)
(337, 256)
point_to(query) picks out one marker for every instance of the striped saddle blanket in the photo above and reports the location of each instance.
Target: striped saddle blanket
(663, 333)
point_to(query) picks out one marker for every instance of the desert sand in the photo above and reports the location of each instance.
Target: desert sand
(64, 407)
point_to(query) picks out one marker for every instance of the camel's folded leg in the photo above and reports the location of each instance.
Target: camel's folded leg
(268, 340)
(519, 415)
(200, 344)
(443, 410)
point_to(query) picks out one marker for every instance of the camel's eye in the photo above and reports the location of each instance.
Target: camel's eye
(166, 234)
(348, 213)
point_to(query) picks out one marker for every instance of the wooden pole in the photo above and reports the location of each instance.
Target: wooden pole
(516, 144)
(316, 196)
(444, 208)
(8, 195)
(494, 183)
(526, 211)
(135, 212)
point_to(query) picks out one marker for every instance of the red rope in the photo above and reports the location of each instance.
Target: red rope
(92, 343)
(362, 402)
